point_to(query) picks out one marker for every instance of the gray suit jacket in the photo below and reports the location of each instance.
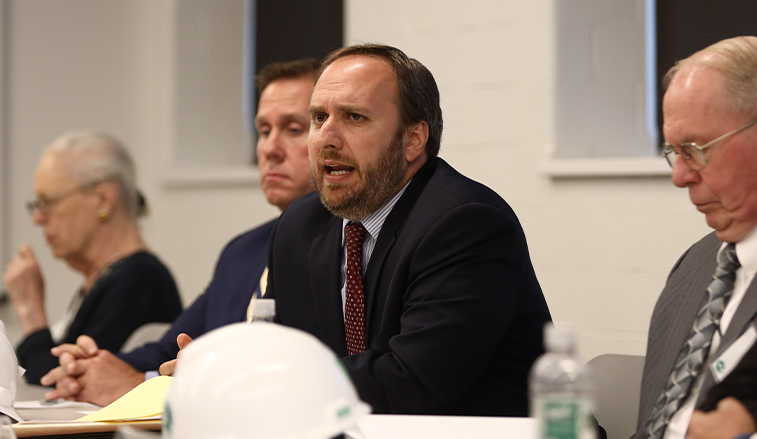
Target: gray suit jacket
(673, 317)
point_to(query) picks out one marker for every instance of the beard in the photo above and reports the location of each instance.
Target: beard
(355, 201)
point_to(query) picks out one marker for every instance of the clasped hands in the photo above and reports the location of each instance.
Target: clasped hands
(87, 373)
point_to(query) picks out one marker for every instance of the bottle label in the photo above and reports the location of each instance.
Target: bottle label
(565, 418)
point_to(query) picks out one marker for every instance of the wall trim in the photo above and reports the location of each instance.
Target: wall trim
(194, 177)
(606, 167)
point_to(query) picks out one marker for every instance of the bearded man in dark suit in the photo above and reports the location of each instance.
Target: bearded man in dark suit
(444, 314)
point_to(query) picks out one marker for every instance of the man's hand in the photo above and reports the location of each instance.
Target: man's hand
(64, 377)
(87, 373)
(85, 347)
(100, 380)
(26, 289)
(729, 420)
(168, 367)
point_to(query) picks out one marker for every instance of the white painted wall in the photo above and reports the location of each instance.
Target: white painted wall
(135, 69)
(601, 247)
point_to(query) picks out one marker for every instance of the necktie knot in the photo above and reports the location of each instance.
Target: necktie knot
(721, 286)
(729, 261)
(354, 233)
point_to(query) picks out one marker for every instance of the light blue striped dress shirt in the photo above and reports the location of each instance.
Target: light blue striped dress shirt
(372, 224)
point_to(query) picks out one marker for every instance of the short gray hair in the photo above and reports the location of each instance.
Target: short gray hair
(736, 59)
(93, 157)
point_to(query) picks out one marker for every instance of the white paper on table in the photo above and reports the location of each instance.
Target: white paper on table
(442, 427)
(59, 403)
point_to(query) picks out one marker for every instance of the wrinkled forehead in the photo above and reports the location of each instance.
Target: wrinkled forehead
(357, 79)
(287, 96)
(695, 89)
(362, 70)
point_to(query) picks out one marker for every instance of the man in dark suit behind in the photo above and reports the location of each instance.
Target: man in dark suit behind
(710, 109)
(452, 310)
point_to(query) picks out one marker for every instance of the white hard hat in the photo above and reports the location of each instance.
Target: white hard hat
(9, 375)
(259, 380)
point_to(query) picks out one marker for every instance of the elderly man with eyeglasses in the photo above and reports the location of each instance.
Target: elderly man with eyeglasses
(703, 326)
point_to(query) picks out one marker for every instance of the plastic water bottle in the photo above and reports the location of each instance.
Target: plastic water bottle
(561, 389)
(263, 310)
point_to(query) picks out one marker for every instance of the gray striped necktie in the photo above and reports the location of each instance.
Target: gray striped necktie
(695, 350)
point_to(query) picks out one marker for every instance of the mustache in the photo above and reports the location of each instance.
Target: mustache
(330, 154)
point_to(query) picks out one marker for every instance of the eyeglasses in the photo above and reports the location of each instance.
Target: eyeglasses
(693, 154)
(43, 205)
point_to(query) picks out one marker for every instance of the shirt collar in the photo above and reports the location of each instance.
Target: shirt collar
(746, 251)
(375, 221)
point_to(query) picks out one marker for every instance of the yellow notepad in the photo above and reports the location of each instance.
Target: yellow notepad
(144, 401)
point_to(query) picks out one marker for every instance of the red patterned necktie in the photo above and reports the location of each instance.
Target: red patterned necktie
(354, 309)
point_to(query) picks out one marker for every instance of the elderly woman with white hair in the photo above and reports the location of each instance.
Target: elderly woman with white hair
(87, 205)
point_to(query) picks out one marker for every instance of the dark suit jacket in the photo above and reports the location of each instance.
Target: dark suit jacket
(236, 277)
(454, 312)
(137, 290)
(673, 317)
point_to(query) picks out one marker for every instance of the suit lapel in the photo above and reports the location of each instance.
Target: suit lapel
(673, 317)
(375, 297)
(325, 282)
(743, 316)
(686, 303)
